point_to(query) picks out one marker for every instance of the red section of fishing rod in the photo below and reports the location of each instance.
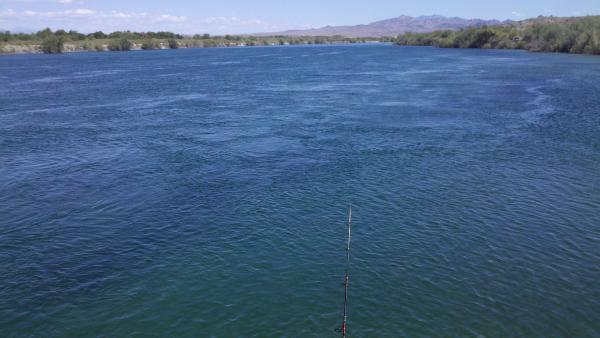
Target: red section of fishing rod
(346, 282)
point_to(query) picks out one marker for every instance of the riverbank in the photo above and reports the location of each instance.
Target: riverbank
(60, 41)
(544, 34)
(11, 49)
(16, 49)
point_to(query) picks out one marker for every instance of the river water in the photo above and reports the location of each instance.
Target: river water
(203, 193)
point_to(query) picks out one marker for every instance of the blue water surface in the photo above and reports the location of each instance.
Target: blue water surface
(203, 193)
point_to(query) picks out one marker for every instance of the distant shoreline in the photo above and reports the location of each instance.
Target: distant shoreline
(545, 34)
(61, 41)
(36, 50)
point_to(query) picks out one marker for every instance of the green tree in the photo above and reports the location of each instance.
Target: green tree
(172, 43)
(44, 33)
(97, 35)
(149, 44)
(52, 45)
(75, 35)
(121, 44)
(5, 36)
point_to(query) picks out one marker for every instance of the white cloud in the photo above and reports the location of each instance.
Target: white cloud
(68, 13)
(221, 20)
(7, 13)
(233, 20)
(39, 1)
(169, 18)
(119, 15)
(92, 14)
(66, 2)
(89, 20)
(32, 13)
(517, 14)
(80, 12)
(235, 23)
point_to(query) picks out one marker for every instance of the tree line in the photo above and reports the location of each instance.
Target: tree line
(580, 36)
(53, 42)
(73, 35)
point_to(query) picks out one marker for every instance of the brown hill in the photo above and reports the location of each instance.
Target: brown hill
(391, 27)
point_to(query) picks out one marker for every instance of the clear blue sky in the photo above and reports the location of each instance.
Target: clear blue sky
(243, 16)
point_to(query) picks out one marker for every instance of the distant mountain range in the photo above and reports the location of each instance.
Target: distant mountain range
(392, 27)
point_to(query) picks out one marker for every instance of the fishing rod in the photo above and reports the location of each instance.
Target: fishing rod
(347, 279)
